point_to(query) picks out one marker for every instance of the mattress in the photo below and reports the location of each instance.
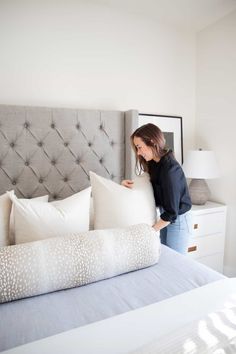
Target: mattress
(30, 319)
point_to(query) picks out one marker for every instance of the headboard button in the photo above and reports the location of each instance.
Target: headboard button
(53, 126)
(78, 126)
(66, 144)
(54, 196)
(89, 144)
(26, 163)
(40, 180)
(40, 143)
(53, 162)
(14, 182)
(65, 179)
(12, 145)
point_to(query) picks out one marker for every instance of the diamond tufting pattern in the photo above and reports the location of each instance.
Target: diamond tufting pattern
(51, 150)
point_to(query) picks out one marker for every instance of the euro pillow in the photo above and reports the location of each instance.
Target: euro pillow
(6, 220)
(118, 206)
(91, 215)
(73, 260)
(35, 220)
(5, 211)
(43, 199)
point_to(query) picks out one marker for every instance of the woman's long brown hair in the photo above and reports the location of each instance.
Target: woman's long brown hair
(153, 137)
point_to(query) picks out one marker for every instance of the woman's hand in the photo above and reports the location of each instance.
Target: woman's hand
(128, 183)
(160, 224)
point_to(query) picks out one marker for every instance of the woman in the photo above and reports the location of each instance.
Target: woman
(169, 186)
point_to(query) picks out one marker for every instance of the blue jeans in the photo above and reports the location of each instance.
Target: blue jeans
(176, 235)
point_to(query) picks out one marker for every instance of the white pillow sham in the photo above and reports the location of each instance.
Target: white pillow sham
(118, 206)
(91, 215)
(35, 220)
(5, 210)
(6, 218)
(43, 199)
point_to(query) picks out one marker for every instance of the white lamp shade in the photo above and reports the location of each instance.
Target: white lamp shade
(200, 164)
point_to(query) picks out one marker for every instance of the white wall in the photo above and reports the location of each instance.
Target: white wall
(216, 116)
(77, 54)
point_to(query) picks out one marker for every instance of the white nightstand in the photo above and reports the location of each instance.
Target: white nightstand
(208, 234)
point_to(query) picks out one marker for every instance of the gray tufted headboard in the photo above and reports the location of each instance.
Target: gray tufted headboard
(51, 150)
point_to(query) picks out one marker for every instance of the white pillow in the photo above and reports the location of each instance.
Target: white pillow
(118, 206)
(91, 215)
(43, 198)
(5, 210)
(6, 218)
(35, 220)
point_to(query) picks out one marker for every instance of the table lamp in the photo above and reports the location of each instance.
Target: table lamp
(200, 165)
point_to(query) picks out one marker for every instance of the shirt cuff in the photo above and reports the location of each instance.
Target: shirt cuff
(166, 217)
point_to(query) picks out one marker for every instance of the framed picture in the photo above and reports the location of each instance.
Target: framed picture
(172, 128)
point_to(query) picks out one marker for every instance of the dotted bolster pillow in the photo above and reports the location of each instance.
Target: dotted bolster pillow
(59, 263)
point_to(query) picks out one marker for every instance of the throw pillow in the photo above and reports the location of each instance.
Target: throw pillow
(35, 220)
(5, 210)
(59, 263)
(118, 206)
(43, 198)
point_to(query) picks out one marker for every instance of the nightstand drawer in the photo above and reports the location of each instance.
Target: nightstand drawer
(208, 234)
(206, 224)
(206, 245)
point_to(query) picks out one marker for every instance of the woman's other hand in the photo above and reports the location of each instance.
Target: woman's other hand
(160, 224)
(128, 183)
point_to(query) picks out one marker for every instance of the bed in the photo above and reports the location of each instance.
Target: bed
(51, 151)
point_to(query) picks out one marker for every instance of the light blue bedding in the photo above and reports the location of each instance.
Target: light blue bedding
(33, 318)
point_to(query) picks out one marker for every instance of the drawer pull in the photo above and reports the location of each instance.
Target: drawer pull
(192, 248)
(195, 226)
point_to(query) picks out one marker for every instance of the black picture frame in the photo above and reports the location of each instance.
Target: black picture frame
(172, 127)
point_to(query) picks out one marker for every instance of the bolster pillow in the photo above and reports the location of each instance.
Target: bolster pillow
(59, 263)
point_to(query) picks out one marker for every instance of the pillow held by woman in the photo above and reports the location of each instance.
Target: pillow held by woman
(118, 206)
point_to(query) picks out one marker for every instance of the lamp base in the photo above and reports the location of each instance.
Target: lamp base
(199, 191)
